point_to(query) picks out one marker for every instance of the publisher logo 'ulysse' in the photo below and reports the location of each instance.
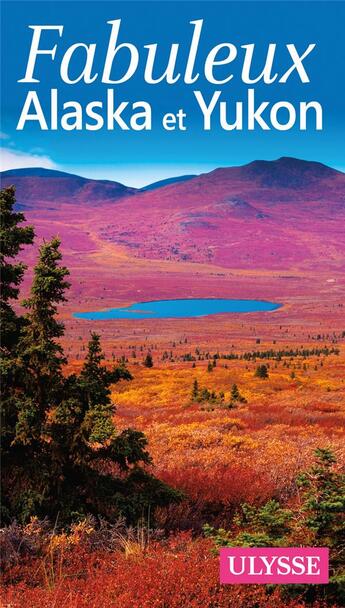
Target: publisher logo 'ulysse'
(274, 565)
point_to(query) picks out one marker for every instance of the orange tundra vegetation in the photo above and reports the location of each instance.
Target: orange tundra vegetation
(221, 452)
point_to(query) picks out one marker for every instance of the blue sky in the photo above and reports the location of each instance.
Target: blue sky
(137, 158)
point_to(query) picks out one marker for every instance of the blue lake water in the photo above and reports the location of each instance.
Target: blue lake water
(170, 309)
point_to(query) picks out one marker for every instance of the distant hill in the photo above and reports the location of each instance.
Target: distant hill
(167, 182)
(38, 186)
(266, 214)
(287, 172)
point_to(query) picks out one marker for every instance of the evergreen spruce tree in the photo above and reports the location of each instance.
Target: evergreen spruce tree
(323, 514)
(95, 381)
(12, 238)
(40, 354)
(65, 458)
(195, 390)
(36, 389)
(262, 372)
(148, 362)
(101, 470)
(235, 395)
(324, 500)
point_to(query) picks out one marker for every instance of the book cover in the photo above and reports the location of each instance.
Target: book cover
(172, 304)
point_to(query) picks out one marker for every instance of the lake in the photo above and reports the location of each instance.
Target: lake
(177, 309)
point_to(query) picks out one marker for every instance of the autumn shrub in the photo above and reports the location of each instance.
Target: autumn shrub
(212, 494)
(18, 542)
(38, 539)
(176, 573)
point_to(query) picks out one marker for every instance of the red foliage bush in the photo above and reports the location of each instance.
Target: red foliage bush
(225, 484)
(179, 573)
(213, 495)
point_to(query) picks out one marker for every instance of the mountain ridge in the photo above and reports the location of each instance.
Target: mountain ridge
(255, 168)
(266, 214)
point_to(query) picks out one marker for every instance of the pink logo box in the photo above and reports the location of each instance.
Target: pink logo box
(267, 565)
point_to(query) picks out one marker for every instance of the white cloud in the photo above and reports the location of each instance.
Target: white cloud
(130, 175)
(15, 159)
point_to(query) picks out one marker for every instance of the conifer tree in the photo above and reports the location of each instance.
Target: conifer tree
(262, 372)
(235, 395)
(36, 387)
(66, 458)
(95, 380)
(324, 500)
(88, 447)
(195, 390)
(40, 356)
(12, 238)
(148, 362)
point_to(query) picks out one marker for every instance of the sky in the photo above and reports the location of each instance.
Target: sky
(137, 158)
